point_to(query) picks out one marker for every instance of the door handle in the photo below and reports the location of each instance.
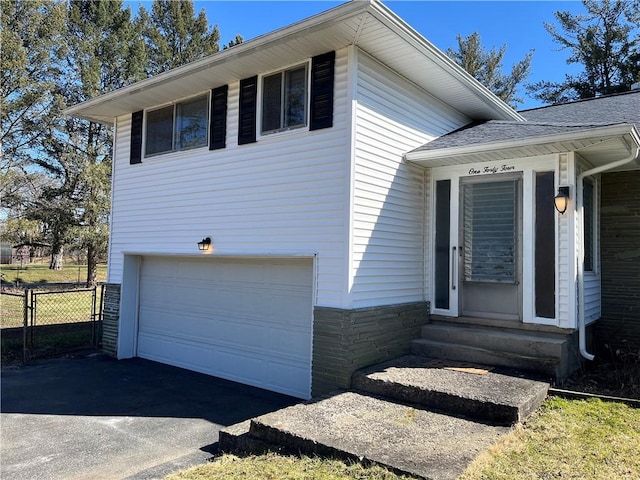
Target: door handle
(454, 273)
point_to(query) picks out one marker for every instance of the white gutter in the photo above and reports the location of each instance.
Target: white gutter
(602, 133)
(634, 156)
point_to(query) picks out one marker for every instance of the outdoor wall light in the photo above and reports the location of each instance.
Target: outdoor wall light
(561, 200)
(205, 244)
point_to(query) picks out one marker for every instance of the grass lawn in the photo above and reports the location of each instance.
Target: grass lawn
(573, 439)
(52, 308)
(40, 273)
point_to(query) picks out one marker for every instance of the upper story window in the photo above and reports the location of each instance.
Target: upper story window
(284, 100)
(180, 126)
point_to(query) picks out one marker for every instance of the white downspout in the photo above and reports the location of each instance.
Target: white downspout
(580, 209)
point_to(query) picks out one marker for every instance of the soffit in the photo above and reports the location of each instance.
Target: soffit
(598, 149)
(367, 25)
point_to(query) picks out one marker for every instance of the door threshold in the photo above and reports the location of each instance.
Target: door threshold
(490, 322)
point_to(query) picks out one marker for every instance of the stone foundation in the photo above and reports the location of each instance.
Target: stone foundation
(110, 319)
(346, 340)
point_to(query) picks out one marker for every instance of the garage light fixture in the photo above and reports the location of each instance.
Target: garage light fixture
(205, 244)
(561, 200)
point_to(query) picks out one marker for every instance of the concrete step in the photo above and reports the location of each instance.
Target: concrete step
(474, 391)
(360, 427)
(544, 365)
(526, 343)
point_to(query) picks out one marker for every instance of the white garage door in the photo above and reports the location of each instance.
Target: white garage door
(247, 320)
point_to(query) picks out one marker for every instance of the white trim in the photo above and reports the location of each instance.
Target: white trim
(112, 186)
(206, 95)
(353, 61)
(586, 134)
(527, 169)
(260, 94)
(377, 15)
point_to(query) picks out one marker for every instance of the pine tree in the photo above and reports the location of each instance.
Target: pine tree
(32, 44)
(486, 67)
(605, 41)
(174, 35)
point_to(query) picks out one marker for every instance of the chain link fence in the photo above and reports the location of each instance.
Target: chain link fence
(49, 321)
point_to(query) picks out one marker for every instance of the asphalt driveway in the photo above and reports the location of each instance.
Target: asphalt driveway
(99, 418)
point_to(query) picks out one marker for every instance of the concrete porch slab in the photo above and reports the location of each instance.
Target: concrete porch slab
(360, 427)
(475, 391)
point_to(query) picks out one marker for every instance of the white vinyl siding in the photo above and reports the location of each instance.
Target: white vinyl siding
(284, 195)
(592, 280)
(567, 291)
(392, 117)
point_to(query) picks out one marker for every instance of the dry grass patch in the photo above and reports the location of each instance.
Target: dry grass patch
(567, 439)
(278, 467)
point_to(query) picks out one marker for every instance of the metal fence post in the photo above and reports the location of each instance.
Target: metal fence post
(32, 308)
(25, 327)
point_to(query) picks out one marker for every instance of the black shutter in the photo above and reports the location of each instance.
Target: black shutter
(218, 120)
(322, 73)
(135, 155)
(248, 100)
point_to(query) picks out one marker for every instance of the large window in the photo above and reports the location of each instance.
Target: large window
(180, 126)
(284, 100)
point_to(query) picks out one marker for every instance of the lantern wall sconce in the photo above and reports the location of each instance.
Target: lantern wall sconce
(561, 200)
(205, 244)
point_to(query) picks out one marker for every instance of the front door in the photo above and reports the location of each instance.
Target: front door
(489, 247)
(478, 247)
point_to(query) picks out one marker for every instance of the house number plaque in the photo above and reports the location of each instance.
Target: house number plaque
(493, 169)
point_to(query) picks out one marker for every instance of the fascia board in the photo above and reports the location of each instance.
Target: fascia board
(459, 74)
(246, 48)
(598, 132)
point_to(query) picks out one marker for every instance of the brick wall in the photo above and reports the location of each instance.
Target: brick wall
(110, 317)
(619, 325)
(346, 340)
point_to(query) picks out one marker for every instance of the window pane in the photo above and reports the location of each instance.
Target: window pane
(490, 232)
(295, 97)
(159, 134)
(443, 241)
(191, 123)
(588, 226)
(545, 246)
(271, 102)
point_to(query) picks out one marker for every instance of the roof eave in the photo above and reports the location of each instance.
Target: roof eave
(488, 104)
(603, 133)
(503, 110)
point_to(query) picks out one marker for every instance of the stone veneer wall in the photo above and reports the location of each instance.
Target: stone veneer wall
(619, 325)
(346, 340)
(110, 318)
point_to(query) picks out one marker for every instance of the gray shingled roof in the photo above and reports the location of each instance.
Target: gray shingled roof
(552, 120)
(499, 131)
(620, 108)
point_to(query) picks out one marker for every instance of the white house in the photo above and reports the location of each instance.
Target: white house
(354, 184)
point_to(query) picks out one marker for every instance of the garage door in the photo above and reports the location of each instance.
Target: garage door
(246, 320)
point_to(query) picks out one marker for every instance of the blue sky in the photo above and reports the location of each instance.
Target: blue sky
(519, 24)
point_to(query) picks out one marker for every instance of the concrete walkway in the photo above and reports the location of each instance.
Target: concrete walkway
(99, 418)
(428, 418)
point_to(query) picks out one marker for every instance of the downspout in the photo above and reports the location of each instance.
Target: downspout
(580, 208)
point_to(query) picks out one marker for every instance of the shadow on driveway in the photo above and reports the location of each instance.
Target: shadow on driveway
(96, 417)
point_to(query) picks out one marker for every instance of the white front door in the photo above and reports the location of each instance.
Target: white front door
(478, 247)
(490, 248)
